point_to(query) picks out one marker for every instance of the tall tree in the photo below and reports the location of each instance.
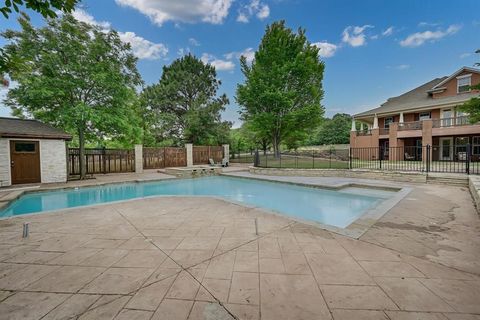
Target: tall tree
(186, 104)
(74, 76)
(472, 106)
(334, 131)
(48, 8)
(283, 87)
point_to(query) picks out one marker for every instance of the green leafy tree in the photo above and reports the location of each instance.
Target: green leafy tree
(46, 8)
(184, 104)
(472, 106)
(282, 92)
(77, 77)
(335, 130)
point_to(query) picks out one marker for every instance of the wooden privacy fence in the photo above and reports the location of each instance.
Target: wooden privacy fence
(202, 154)
(157, 158)
(101, 160)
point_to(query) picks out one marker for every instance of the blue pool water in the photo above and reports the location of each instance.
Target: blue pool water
(337, 208)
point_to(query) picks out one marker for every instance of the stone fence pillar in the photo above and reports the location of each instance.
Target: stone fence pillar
(189, 148)
(226, 152)
(138, 158)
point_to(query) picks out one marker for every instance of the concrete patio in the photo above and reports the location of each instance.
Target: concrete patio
(200, 258)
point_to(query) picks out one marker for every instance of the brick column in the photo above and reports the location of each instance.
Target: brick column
(189, 148)
(138, 158)
(395, 153)
(374, 140)
(427, 139)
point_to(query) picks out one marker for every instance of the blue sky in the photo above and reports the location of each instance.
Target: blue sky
(372, 49)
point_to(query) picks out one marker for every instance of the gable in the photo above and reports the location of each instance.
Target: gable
(448, 87)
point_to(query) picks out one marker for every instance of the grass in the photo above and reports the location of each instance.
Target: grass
(302, 162)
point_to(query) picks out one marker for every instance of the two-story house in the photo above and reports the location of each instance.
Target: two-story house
(426, 115)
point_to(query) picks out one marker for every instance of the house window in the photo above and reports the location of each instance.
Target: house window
(476, 145)
(462, 118)
(424, 116)
(464, 83)
(388, 120)
(25, 147)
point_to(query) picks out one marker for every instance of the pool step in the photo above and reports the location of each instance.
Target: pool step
(460, 180)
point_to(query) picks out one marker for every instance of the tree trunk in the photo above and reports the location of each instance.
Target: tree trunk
(276, 146)
(81, 159)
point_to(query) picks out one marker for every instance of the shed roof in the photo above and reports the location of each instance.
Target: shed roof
(26, 128)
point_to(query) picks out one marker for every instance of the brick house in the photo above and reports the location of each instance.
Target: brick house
(31, 152)
(426, 115)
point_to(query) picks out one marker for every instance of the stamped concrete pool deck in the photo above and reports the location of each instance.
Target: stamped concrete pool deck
(200, 258)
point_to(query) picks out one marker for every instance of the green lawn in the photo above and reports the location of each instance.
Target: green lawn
(300, 162)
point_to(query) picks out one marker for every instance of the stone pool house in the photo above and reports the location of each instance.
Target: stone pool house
(31, 152)
(426, 115)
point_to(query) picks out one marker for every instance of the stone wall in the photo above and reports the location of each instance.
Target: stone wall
(4, 163)
(53, 161)
(361, 174)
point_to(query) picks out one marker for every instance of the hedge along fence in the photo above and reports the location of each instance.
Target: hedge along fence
(202, 154)
(158, 158)
(101, 160)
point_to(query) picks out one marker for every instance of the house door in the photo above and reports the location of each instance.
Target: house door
(446, 148)
(25, 161)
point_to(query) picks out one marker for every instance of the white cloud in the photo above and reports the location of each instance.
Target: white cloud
(248, 53)
(400, 67)
(83, 16)
(465, 55)
(219, 64)
(419, 38)
(427, 24)
(326, 50)
(142, 48)
(194, 42)
(254, 8)
(183, 51)
(388, 31)
(190, 11)
(355, 35)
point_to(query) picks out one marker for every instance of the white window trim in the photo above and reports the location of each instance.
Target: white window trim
(424, 112)
(385, 121)
(464, 76)
(467, 76)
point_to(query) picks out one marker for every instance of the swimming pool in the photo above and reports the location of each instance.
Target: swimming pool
(331, 207)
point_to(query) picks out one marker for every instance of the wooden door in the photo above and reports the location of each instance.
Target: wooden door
(25, 161)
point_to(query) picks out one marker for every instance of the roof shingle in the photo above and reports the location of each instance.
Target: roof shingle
(25, 128)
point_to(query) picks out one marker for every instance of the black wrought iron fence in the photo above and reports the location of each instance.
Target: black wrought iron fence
(443, 158)
(242, 156)
(306, 159)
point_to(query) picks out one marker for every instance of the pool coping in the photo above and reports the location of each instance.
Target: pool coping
(354, 230)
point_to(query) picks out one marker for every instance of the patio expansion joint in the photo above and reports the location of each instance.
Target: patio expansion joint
(380, 287)
(421, 258)
(192, 266)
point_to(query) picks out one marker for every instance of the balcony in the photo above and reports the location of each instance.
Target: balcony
(414, 125)
(384, 131)
(364, 133)
(451, 122)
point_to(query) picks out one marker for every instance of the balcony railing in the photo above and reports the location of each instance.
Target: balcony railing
(451, 122)
(414, 125)
(384, 131)
(364, 133)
